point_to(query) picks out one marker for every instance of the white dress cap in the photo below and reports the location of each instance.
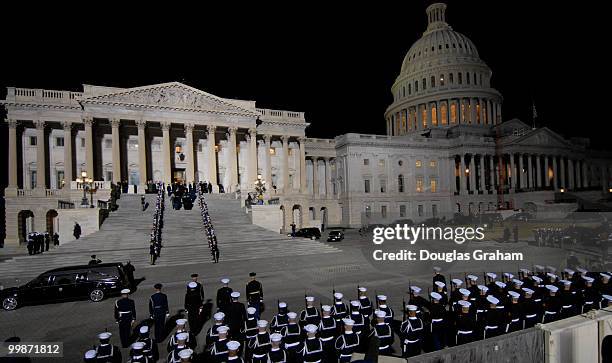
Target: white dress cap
(138, 345)
(125, 291)
(235, 294)
(338, 295)
(181, 321)
(225, 280)
(310, 298)
(222, 329)
(380, 314)
(233, 345)
(185, 353)
(262, 323)
(457, 282)
(276, 337)
(465, 292)
(310, 328)
(182, 336)
(291, 315)
(192, 285)
(219, 316)
(326, 308)
(105, 335)
(514, 294)
(436, 296)
(440, 284)
(282, 304)
(144, 329)
(90, 354)
(349, 322)
(251, 310)
(492, 299)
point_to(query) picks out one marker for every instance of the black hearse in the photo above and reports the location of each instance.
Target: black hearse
(94, 282)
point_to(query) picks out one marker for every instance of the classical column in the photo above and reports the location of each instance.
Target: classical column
(472, 175)
(12, 153)
(252, 157)
(302, 141)
(41, 164)
(483, 116)
(473, 113)
(562, 172)
(520, 173)
(481, 173)
(513, 184)
(315, 177)
(328, 178)
(67, 153)
(268, 160)
(530, 183)
(555, 173)
(604, 178)
(578, 172)
(585, 175)
(116, 151)
(429, 114)
(190, 156)
(233, 155)
(285, 164)
(212, 154)
(142, 156)
(538, 172)
(166, 153)
(570, 174)
(546, 178)
(419, 118)
(462, 175)
(89, 157)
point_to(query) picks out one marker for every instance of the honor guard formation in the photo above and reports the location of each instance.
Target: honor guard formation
(208, 227)
(158, 225)
(453, 312)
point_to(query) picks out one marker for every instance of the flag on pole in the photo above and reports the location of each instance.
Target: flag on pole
(535, 114)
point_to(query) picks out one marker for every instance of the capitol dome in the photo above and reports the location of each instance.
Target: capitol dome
(442, 82)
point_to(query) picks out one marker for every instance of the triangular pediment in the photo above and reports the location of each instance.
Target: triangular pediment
(542, 137)
(174, 96)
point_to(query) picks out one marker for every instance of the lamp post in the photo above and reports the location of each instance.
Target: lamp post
(87, 186)
(260, 188)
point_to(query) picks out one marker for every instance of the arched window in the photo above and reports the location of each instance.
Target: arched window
(475, 83)
(424, 84)
(451, 79)
(443, 116)
(460, 79)
(453, 113)
(409, 88)
(478, 113)
(434, 115)
(404, 91)
(416, 86)
(433, 81)
(484, 112)
(467, 77)
(400, 183)
(424, 116)
(442, 80)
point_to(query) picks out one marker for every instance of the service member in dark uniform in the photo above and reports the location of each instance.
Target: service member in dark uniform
(260, 345)
(493, 319)
(382, 305)
(529, 308)
(233, 352)
(465, 325)
(339, 309)
(158, 310)
(179, 347)
(365, 303)
(194, 304)
(384, 333)
(218, 351)
(280, 320)
(174, 341)
(514, 313)
(411, 333)
(348, 342)
(105, 351)
(551, 304)
(277, 354)
(360, 324)
(212, 335)
(137, 355)
(249, 330)
(312, 351)
(292, 336)
(328, 331)
(235, 315)
(310, 314)
(149, 348)
(224, 293)
(254, 292)
(125, 316)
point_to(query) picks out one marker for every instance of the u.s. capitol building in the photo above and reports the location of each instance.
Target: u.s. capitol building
(447, 148)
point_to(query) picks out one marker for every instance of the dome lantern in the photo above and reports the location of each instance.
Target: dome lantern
(436, 16)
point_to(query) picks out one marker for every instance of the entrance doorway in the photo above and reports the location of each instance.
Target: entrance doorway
(179, 175)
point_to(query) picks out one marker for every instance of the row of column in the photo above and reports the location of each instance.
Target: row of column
(190, 156)
(445, 112)
(327, 179)
(521, 171)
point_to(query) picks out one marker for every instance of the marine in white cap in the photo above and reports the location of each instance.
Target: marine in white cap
(411, 333)
(224, 295)
(125, 316)
(348, 342)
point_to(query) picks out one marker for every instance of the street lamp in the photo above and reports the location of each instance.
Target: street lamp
(260, 188)
(87, 186)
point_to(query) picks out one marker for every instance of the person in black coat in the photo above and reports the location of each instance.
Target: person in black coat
(77, 230)
(236, 315)
(55, 239)
(224, 298)
(158, 311)
(125, 316)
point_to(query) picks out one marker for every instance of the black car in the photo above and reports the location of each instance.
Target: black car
(68, 283)
(312, 233)
(335, 236)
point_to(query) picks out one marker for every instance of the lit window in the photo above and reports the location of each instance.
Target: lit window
(366, 161)
(478, 113)
(453, 113)
(434, 116)
(424, 116)
(419, 184)
(443, 114)
(433, 185)
(442, 80)
(272, 151)
(381, 163)
(418, 163)
(433, 164)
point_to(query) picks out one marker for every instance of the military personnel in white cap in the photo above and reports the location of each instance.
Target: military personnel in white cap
(438, 277)
(440, 288)
(437, 315)
(218, 351)
(493, 319)
(465, 324)
(235, 315)
(411, 333)
(360, 323)
(136, 354)
(212, 335)
(249, 331)
(224, 295)
(381, 301)
(552, 305)
(569, 300)
(150, 346)
(277, 354)
(292, 336)
(339, 309)
(233, 348)
(416, 299)
(194, 305)
(312, 349)
(455, 294)
(310, 314)
(181, 328)
(260, 344)
(514, 311)
(471, 283)
(125, 316)
(530, 309)
(590, 295)
(384, 333)
(105, 351)
(328, 330)
(364, 302)
(185, 355)
(280, 320)
(347, 343)
(179, 346)
(90, 356)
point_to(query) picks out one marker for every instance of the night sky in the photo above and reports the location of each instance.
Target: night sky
(337, 66)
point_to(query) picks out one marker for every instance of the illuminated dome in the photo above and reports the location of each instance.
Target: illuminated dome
(442, 82)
